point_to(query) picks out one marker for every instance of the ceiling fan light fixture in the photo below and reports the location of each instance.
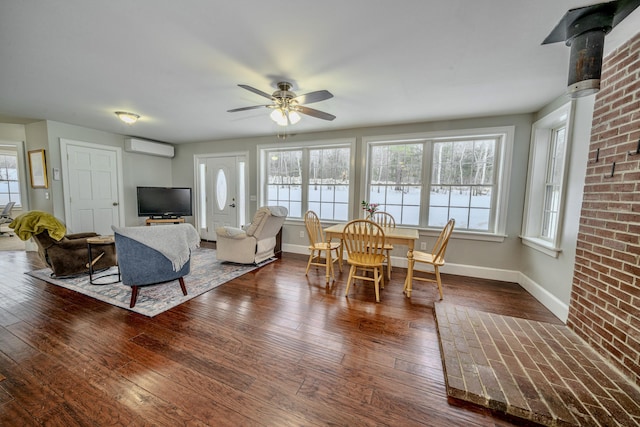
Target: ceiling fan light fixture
(279, 115)
(128, 118)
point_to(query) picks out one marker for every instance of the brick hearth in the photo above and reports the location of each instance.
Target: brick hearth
(537, 371)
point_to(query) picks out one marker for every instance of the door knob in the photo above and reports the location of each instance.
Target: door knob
(233, 205)
(115, 203)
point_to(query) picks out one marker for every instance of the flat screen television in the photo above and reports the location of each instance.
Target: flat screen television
(164, 202)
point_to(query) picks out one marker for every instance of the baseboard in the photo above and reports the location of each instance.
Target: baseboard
(546, 298)
(459, 269)
(550, 301)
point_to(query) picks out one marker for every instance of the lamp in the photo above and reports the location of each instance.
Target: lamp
(128, 118)
(279, 115)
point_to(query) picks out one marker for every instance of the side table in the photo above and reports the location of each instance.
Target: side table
(100, 241)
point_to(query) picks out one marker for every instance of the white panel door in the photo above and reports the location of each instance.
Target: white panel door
(221, 194)
(93, 199)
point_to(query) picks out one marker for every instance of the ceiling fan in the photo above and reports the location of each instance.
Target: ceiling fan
(286, 105)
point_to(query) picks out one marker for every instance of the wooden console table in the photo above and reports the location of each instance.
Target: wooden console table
(150, 221)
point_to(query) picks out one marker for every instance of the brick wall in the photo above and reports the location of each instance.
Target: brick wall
(605, 298)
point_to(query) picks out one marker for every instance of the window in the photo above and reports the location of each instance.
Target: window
(555, 169)
(396, 180)
(462, 183)
(424, 180)
(9, 183)
(545, 185)
(312, 177)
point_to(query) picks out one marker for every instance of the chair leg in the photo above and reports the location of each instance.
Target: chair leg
(438, 281)
(134, 296)
(311, 256)
(339, 258)
(329, 263)
(389, 264)
(351, 273)
(377, 278)
(182, 286)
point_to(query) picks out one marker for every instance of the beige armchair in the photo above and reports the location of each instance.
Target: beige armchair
(253, 243)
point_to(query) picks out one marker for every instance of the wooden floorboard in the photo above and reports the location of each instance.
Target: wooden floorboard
(270, 348)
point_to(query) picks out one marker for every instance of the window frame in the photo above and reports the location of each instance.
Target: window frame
(542, 141)
(263, 151)
(17, 181)
(502, 163)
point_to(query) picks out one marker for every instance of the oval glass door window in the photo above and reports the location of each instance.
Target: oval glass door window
(221, 189)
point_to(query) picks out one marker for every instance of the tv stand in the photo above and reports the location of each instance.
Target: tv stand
(152, 220)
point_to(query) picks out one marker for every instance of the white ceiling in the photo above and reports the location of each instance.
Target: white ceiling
(178, 63)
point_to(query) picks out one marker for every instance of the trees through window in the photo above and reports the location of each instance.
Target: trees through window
(9, 183)
(315, 178)
(426, 182)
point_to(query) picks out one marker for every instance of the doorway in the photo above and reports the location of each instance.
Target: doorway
(92, 185)
(220, 192)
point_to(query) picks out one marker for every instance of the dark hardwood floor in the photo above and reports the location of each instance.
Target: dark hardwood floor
(271, 348)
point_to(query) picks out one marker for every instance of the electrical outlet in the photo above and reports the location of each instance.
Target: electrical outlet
(423, 246)
(302, 234)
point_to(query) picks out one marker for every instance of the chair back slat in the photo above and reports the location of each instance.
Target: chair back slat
(314, 228)
(385, 219)
(440, 247)
(363, 239)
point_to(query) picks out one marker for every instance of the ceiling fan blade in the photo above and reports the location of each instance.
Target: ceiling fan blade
(256, 91)
(317, 96)
(314, 113)
(253, 107)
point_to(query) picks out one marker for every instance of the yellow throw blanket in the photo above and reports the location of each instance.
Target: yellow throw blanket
(35, 222)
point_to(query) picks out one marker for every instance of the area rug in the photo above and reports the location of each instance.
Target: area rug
(206, 273)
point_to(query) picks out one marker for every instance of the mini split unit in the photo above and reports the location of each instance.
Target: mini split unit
(141, 146)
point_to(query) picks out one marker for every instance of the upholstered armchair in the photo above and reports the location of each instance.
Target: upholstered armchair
(158, 254)
(255, 242)
(66, 254)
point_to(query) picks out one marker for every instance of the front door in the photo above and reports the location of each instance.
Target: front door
(221, 190)
(91, 186)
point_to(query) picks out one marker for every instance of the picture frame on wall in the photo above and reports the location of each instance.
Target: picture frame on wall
(38, 169)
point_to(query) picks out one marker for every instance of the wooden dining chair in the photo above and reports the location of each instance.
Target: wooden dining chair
(318, 246)
(435, 259)
(385, 219)
(364, 241)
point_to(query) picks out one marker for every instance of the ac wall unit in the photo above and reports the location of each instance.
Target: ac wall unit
(135, 145)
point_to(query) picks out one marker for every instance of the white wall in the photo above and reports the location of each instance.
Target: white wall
(138, 169)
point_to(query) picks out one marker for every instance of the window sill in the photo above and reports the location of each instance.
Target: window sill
(467, 235)
(458, 235)
(541, 246)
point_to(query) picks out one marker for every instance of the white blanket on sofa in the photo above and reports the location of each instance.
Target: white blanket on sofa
(175, 241)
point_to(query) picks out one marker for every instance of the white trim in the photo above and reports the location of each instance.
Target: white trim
(541, 245)
(239, 156)
(546, 298)
(312, 144)
(532, 218)
(64, 143)
(22, 173)
(503, 163)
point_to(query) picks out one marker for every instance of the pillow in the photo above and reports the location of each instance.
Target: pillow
(231, 232)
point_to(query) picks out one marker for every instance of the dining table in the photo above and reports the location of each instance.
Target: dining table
(401, 236)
